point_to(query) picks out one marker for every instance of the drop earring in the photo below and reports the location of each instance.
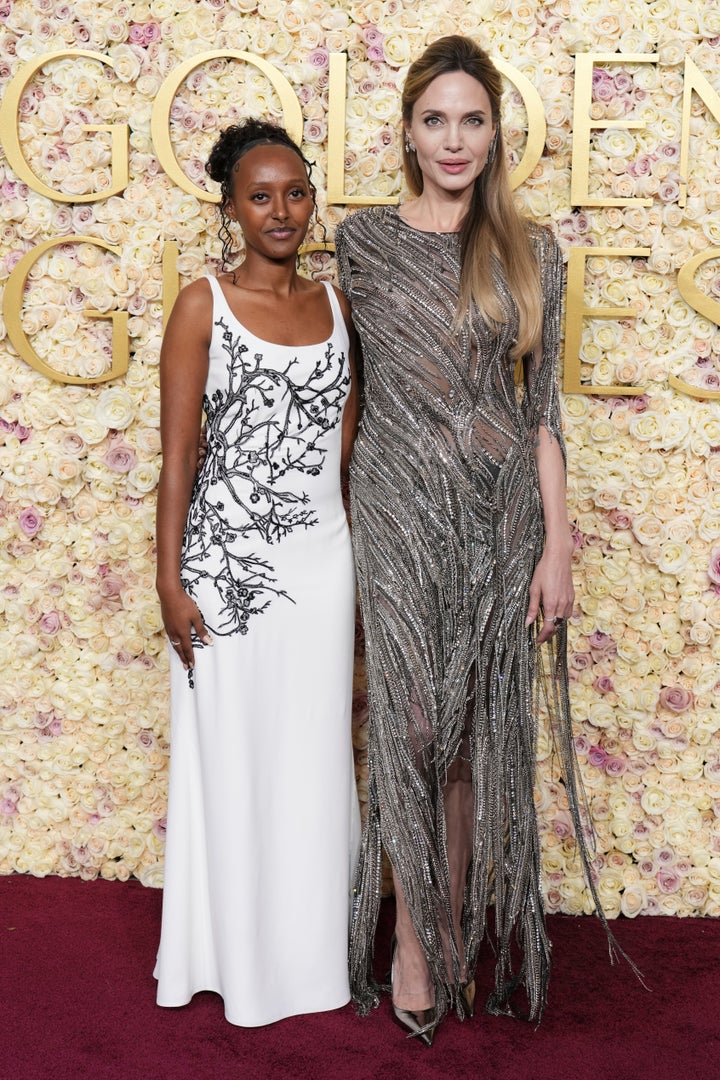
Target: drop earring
(492, 148)
(409, 145)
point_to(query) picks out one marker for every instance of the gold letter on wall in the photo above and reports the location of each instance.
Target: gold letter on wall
(704, 305)
(694, 80)
(9, 114)
(160, 120)
(337, 101)
(537, 126)
(577, 309)
(583, 125)
(12, 312)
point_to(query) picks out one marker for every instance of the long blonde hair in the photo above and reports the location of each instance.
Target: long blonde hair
(492, 224)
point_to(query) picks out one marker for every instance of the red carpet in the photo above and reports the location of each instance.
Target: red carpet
(77, 1001)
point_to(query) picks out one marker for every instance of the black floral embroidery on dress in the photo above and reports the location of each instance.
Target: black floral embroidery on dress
(261, 428)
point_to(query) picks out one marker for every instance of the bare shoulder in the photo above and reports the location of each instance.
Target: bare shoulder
(195, 298)
(191, 316)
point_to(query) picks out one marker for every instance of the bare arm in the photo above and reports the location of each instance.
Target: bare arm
(183, 372)
(351, 413)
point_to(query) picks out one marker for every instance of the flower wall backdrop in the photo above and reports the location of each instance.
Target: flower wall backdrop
(84, 690)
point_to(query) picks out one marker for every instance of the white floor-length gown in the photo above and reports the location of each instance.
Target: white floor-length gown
(262, 816)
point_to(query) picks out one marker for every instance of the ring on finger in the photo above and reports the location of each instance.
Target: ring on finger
(174, 642)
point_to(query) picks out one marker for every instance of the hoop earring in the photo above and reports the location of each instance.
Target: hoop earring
(492, 148)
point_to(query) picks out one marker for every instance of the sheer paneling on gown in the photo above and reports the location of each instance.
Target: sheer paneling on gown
(447, 530)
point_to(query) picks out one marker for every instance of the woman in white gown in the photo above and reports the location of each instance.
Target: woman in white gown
(256, 584)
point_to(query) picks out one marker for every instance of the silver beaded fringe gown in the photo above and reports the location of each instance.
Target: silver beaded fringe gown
(447, 530)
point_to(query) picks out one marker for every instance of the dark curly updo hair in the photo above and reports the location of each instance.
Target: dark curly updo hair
(229, 147)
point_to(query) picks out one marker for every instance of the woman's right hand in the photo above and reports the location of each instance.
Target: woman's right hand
(181, 616)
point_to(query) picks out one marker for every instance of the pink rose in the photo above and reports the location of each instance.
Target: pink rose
(553, 900)
(620, 519)
(146, 739)
(12, 259)
(597, 757)
(712, 772)
(668, 880)
(120, 458)
(111, 585)
(372, 36)
(615, 765)
(31, 521)
(603, 684)
(603, 86)
(669, 190)
(710, 380)
(562, 824)
(315, 131)
(319, 58)
(50, 622)
(676, 698)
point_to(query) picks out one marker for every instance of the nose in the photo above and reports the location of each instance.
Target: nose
(453, 137)
(279, 210)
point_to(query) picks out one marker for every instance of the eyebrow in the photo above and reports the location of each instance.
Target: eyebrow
(441, 112)
(293, 182)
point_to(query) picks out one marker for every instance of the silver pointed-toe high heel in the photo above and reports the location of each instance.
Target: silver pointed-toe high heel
(420, 1023)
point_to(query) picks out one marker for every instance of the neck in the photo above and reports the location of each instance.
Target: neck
(265, 275)
(439, 211)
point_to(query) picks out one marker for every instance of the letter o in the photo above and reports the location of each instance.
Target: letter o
(160, 119)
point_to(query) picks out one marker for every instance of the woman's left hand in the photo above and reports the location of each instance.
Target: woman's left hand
(551, 590)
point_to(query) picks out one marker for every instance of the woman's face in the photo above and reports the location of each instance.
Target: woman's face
(451, 129)
(272, 201)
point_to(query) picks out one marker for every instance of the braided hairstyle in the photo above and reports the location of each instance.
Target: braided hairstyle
(229, 147)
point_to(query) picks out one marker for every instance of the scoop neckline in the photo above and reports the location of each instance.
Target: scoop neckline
(277, 344)
(423, 232)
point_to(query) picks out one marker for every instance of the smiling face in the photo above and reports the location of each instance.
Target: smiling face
(272, 201)
(451, 129)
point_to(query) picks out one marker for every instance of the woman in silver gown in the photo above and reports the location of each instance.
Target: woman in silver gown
(462, 549)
